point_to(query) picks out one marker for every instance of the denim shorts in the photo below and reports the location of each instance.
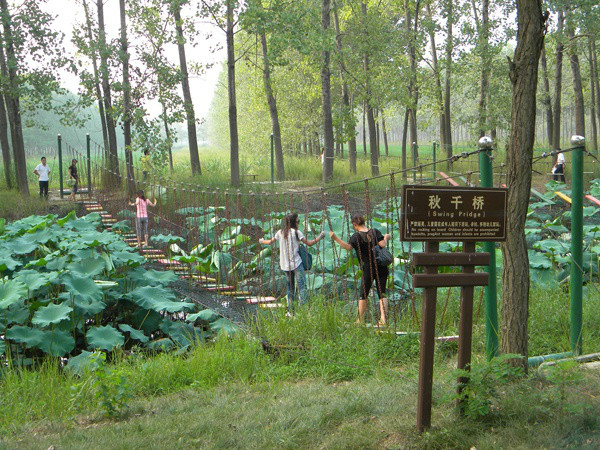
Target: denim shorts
(142, 226)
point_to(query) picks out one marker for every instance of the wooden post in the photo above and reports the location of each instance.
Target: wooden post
(427, 346)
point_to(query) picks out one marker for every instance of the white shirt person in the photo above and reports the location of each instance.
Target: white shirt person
(42, 171)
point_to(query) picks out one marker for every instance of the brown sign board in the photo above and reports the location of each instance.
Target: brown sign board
(448, 213)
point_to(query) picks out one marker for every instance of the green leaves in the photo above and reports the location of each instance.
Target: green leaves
(51, 314)
(11, 292)
(158, 299)
(105, 338)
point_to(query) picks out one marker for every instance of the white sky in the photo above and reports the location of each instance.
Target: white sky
(69, 13)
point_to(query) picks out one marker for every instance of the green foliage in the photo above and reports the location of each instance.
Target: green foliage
(111, 387)
(68, 288)
(482, 382)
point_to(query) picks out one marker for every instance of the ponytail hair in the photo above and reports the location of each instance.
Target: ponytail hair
(290, 222)
(141, 195)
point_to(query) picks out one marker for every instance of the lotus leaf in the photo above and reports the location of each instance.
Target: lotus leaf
(206, 315)
(34, 280)
(158, 299)
(538, 260)
(55, 263)
(31, 337)
(183, 334)
(122, 226)
(18, 314)
(167, 239)
(146, 320)
(88, 267)
(159, 276)
(551, 246)
(222, 325)
(2, 347)
(22, 245)
(133, 333)
(57, 342)
(84, 361)
(164, 344)
(7, 262)
(127, 257)
(105, 338)
(50, 314)
(11, 292)
(84, 305)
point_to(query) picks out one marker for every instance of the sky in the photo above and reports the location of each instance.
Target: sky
(69, 13)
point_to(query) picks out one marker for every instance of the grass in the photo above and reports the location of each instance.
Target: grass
(321, 383)
(14, 206)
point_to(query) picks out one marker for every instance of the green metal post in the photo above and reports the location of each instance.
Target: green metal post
(434, 159)
(485, 144)
(578, 143)
(60, 173)
(89, 164)
(272, 161)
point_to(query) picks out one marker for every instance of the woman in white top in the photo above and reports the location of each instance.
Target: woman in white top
(289, 257)
(559, 168)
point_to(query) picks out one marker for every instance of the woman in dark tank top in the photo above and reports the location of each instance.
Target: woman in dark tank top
(363, 241)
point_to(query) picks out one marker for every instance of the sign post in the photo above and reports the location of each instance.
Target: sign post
(434, 214)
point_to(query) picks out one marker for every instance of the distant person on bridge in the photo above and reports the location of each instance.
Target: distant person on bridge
(289, 257)
(73, 178)
(559, 168)
(43, 173)
(363, 241)
(141, 203)
(145, 165)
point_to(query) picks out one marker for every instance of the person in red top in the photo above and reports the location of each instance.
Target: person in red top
(141, 203)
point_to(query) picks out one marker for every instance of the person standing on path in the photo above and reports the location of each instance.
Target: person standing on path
(289, 257)
(363, 241)
(73, 179)
(559, 168)
(145, 165)
(43, 173)
(141, 203)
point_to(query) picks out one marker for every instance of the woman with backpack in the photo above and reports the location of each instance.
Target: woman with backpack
(290, 260)
(363, 242)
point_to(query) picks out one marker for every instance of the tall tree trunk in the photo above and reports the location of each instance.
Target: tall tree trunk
(93, 44)
(165, 113)
(113, 162)
(485, 65)
(524, 77)
(577, 85)
(272, 108)
(404, 135)
(187, 96)
(234, 145)
(558, 83)
(368, 102)
(547, 99)
(385, 135)
(412, 86)
(326, 95)
(126, 102)
(349, 127)
(11, 89)
(438, 81)
(6, 159)
(593, 95)
(449, 51)
(364, 129)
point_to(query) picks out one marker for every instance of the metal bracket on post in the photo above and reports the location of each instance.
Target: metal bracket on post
(486, 145)
(578, 145)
